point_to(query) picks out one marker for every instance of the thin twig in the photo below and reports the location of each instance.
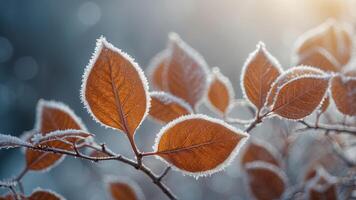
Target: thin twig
(325, 127)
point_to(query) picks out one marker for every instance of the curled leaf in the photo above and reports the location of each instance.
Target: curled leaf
(320, 58)
(166, 107)
(114, 89)
(299, 97)
(259, 72)
(186, 72)
(8, 141)
(259, 151)
(220, 91)
(198, 145)
(156, 70)
(343, 91)
(266, 181)
(332, 36)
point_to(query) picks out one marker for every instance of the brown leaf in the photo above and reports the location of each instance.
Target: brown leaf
(220, 91)
(51, 117)
(334, 37)
(156, 70)
(343, 91)
(114, 89)
(299, 97)
(166, 107)
(259, 151)
(266, 181)
(322, 186)
(325, 104)
(288, 75)
(7, 197)
(320, 58)
(44, 195)
(64, 140)
(258, 74)
(198, 145)
(123, 191)
(186, 72)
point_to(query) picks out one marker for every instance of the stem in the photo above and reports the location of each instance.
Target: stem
(334, 128)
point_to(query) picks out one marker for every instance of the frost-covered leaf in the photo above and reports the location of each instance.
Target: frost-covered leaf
(257, 150)
(324, 106)
(343, 91)
(288, 75)
(334, 37)
(52, 118)
(8, 141)
(259, 72)
(156, 70)
(299, 97)
(40, 194)
(198, 145)
(220, 91)
(166, 107)
(64, 140)
(186, 72)
(124, 190)
(114, 89)
(266, 181)
(7, 197)
(322, 186)
(320, 58)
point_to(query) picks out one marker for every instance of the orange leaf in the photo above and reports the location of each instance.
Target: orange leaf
(198, 145)
(156, 69)
(334, 37)
(114, 89)
(64, 140)
(220, 91)
(322, 186)
(166, 107)
(40, 194)
(266, 181)
(288, 75)
(259, 151)
(299, 97)
(52, 117)
(343, 91)
(186, 72)
(321, 59)
(124, 191)
(259, 72)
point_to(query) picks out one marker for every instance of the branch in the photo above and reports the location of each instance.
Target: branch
(325, 127)
(111, 156)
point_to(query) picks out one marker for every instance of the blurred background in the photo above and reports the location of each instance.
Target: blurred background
(45, 45)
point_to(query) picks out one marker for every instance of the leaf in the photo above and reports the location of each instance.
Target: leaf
(52, 117)
(186, 72)
(198, 145)
(324, 106)
(266, 181)
(40, 194)
(320, 58)
(220, 91)
(114, 89)
(332, 36)
(259, 72)
(124, 190)
(343, 91)
(259, 151)
(166, 107)
(288, 75)
(156, 70)
(64, 140)
(299, 97)
(7, 197)
(322, 186)
(8, 141)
